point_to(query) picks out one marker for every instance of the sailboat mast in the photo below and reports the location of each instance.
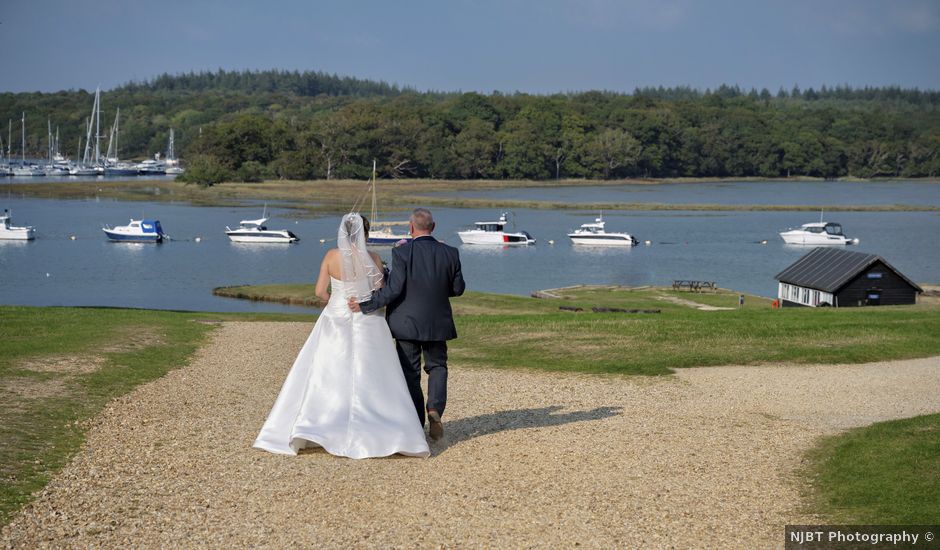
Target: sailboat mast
(96, 112)
(23, 147)
(117, 132)
(374, 217)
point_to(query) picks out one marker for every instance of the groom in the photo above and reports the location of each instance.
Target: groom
(425, 274)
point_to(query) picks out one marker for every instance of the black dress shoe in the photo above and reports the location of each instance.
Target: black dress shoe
(435, 428)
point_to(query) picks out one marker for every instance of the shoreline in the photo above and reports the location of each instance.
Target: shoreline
(320, 197)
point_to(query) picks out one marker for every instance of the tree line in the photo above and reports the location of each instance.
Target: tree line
(275, 124)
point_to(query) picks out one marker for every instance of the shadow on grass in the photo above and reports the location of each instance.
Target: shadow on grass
(485, 424)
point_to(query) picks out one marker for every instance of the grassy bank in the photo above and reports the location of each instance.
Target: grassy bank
(60, 366)
(336, 196)
(886, 473)
(294, 294)
(518, 332)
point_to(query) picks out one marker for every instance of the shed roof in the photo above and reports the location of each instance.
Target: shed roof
(829, 269)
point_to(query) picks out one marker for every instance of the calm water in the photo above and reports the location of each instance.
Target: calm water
(719, 246)
(821, 193)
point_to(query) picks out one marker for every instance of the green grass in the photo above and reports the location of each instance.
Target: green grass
(519, 332)
(654, 344)
(60, 366)
(886, 473)
(43, 410)
(297, 294)
(320, 197)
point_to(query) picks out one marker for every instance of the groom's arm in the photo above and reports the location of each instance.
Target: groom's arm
(458, 285)
(393, 288)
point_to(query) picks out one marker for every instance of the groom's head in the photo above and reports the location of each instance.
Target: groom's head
(422, 223)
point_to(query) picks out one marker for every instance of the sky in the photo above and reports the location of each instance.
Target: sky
(535, 46)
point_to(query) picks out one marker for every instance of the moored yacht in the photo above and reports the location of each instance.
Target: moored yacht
(817, 233)
(594, 234)
(254, 231)
(138, 231)
(493, 233)
(11, 232)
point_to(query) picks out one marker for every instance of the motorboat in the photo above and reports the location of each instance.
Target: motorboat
(254, 231)
(11, 232)
(817, 233)
(494, 233)
(138, 231)
(594, 234)
(152, 167)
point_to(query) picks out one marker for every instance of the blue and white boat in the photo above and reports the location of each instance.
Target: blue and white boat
(138, 231)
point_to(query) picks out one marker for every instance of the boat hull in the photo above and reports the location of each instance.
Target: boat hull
(387, 241)
(120, 171)
(132, 238)
(791, 237)
(495, 237)
(602, 240)
(18, 234)
(274, 239)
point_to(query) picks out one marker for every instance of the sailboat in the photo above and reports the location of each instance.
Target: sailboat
(23, 169)
(4, 166)
(113, 166)
(89, 165)
(381, 234)
(172, 163)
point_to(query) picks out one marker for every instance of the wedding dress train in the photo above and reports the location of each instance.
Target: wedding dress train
(346, 391)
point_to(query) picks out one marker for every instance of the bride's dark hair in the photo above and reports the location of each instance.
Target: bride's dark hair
(365, 225)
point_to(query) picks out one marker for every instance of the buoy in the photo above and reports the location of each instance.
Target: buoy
(647, 242)
(198, 239)
(322, 241)
(47, 275)
(551, 241)
(763, 241)
(71, 237)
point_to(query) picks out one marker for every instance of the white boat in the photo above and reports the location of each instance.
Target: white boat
(137, 231)
(817, 233)
(152, 167)
(11, 232)
(173, 167)
(594, 234)
(28, 171)
(83, 171)
(382, 234)
(254, 231)
(493, 233)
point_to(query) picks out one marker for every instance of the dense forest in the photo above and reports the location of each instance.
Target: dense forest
(249, 126)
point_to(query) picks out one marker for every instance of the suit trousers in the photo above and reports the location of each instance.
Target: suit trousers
(435, 364)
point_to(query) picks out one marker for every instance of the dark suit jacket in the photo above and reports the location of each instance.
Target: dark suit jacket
(425, 274)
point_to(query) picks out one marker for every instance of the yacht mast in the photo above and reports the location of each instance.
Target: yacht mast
(23, 150)
(374, 218)
(96, 112)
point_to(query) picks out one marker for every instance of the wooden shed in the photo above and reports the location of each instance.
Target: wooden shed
(841, 278)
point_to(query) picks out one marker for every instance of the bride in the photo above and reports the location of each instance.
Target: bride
(346, 391)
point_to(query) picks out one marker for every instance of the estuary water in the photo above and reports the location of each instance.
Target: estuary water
(721, 246)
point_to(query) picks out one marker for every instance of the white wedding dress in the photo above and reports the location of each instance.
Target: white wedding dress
(346, 391)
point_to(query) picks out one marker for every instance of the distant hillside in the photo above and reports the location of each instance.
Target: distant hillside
(254, 125)
(306, 83)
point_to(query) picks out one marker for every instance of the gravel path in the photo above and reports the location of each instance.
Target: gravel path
(705, 458)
